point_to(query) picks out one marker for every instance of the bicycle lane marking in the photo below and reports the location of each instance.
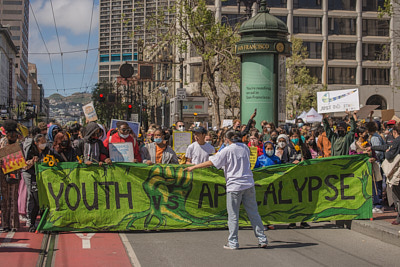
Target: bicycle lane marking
(90, 249)
(26, 244)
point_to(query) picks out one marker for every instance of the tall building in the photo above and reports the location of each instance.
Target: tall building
(122, 24)
(8, 55)
(34, 90)
(15, 16)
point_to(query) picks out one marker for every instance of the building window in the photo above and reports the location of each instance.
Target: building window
(377, 76)
(116, 57)
(314, 49)
(15, 28)
(342, 26)
(342, 51)
(376, 52)
(195, 73)
(372, 5)
(315, 72)
(277, 3)
(342, 75)
(314, 4)
(18, 3)
(342, 5)
(104, 58)
(307, 25)
(375, 27)
(16, 38)
(377, 100)
(126, 57)
(13, 12)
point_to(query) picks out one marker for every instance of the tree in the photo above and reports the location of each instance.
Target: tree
(301, 88)
(214, 42)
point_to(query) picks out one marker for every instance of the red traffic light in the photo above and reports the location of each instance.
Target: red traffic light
(101, 95)
(130, 106)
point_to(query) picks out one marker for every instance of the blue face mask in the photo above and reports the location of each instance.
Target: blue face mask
(295, 140)
(300, 124)
(158, 140)
(269, 153)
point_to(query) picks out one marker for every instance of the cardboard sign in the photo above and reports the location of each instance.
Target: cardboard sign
(181, 140)
(253, 157)
(227, 123)
(336, 101)
(397, 119)
(90, 112)
(387, 115)
(364, 112)
(121, 152)
(135, 126)
(12, 158)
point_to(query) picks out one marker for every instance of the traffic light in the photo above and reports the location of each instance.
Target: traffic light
(130, 107)
(101, 98)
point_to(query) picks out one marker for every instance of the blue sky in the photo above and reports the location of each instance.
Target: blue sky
(72, 18)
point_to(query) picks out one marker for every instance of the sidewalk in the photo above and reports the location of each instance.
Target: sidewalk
(380, 227)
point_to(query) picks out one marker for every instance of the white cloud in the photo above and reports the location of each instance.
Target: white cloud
(72, 15)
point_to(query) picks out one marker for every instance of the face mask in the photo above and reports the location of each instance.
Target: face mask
(158, 140)
(124, 136)
(273, 138)
(269, 153)
(341, 133)
(209, 142)
(300, 124)
(42, 146)
(181, 128)
(268, 129)
(64, 143)
(295, 140)
(281, 144)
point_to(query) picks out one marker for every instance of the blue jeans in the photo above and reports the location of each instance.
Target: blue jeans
(233, 201)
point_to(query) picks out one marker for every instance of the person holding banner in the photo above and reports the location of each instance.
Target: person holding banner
(122, 136)
(235, 161)
(159, 152)
(199, 151)
(92, 147)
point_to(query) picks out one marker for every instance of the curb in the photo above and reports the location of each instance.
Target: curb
(378, 229)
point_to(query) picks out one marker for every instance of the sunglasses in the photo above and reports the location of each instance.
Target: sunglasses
(125, 130)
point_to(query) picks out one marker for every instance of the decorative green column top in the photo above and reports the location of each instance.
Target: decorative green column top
(263, 33)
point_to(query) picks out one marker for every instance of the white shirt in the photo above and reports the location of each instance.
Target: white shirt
(199, 153)
(235, 161)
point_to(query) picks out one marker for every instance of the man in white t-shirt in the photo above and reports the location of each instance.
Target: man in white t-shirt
(235, 161)
(199, 151)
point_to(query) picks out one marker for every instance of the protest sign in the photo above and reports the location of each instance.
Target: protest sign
(253, 156)
(387, 114)
(364, 112)
(227, 123)
(336, 101)
(121, 152)
(11, 158)
(90, 112)
(129, 196)
(397, 119)
(181, 140)
(135, 126)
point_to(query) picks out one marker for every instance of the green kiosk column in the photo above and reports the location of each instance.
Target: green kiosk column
(263, 49)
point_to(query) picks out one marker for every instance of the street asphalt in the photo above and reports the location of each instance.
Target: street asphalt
(322, 245)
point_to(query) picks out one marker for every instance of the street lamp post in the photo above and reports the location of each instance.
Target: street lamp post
(181, 59)
(164, 92)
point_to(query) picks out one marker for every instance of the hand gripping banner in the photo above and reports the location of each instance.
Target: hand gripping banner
(129, 196)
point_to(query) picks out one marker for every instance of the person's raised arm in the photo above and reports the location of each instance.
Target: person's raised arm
(327, 128)
(201, 165)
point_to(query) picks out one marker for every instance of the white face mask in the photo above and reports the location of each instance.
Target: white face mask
(269, 153)
(281, 144)
(209, 142)
(42, 146)
(124, 136)
(181, 128)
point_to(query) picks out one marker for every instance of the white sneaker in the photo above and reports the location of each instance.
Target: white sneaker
(228, 247)
(22, 218)
(377, 210)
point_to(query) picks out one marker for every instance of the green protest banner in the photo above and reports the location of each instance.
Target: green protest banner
(129, 196)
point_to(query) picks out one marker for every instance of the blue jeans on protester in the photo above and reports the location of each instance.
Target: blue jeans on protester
(377, 196)
(233, 201)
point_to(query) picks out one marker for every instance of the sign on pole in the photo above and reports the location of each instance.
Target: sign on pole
(338, 101)
(135, 117)
(181, 93)
(90, 112)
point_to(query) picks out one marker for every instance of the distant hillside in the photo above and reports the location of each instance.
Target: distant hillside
(78, 98)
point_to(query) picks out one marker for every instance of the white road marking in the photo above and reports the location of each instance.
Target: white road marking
(6, 242)
(129, 249)
(86, 240)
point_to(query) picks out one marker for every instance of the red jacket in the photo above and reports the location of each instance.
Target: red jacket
(260, 148)
(115, 138)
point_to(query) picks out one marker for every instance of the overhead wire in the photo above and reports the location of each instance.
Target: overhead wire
(59, 45)
(94, 67)
(88, 42)
(44, 43)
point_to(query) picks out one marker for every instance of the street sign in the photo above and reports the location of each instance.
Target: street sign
(135, 117)
(181, 93)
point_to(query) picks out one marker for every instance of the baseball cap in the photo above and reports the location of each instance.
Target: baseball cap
(199, 129)
(391, 122)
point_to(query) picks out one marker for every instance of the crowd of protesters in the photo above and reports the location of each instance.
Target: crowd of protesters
(276, 144)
